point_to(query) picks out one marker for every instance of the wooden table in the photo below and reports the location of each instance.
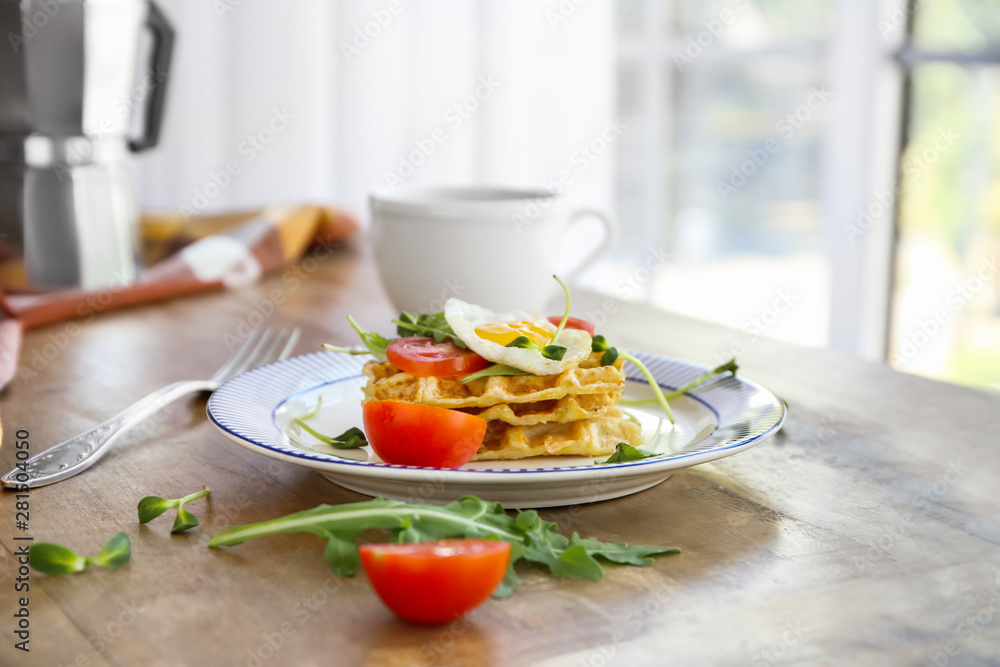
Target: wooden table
(866, 532)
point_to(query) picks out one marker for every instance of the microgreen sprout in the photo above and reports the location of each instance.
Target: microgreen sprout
(565, 317)
(730, 366)
(151, 507)
(352, 438)
(57, 560)
(611, 354)
(554, 352)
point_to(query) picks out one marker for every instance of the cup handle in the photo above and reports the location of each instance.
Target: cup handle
(612, 232)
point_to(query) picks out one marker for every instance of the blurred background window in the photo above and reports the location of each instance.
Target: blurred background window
(946, 296)
(820, 171)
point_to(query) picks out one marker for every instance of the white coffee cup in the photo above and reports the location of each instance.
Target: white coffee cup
(495, 247)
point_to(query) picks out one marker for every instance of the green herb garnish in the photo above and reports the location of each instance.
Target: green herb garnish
(626, 452)
(434, 325)
(611, 354)
(554, 352)
(730, 366)
(531, 538)
(352, 438)
(56, 559)
(151, 507)
(375, 344)
(565, 317)
(490, 371)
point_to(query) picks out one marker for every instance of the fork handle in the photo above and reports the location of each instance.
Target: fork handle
(77, 454)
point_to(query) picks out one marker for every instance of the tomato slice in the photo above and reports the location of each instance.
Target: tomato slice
(574, 323)
(435, 582)
(422, 355)
(422, 435)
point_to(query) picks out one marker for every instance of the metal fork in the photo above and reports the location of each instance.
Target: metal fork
(76, 455)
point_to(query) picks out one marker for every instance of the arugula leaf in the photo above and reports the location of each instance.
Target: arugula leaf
(620, 552)
(375, 343)
(427, 324)
(490, 371)
(626, 452)
(532, 539)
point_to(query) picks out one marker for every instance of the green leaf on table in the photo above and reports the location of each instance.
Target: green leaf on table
(116, 552)
(620, 552)
(151, 507)
(576, 562)
(55, 559)
(532, 539)
(183, 521)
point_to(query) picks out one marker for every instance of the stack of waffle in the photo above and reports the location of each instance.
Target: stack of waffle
(573, 413)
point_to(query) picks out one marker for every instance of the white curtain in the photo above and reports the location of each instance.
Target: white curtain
(310, 100)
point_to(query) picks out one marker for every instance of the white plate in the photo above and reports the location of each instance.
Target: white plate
(255, 409)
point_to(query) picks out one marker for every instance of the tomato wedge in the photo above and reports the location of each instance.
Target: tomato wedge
(574, 323)
(435, 582)
(422, 435)
(422, 355)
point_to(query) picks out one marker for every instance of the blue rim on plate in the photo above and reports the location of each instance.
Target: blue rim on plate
(244, 409)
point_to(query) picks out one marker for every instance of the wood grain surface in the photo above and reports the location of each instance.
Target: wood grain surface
(865, 533)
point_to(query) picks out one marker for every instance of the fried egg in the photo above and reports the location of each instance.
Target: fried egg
(487, 333)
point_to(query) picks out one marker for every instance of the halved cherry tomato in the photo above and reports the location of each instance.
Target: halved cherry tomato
(574, 323)
(422, 435)
(421, 355)
(435, 582)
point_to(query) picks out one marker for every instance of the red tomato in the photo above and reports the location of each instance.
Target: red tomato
(421, 355)
(574, 323)
(435, 582)
(421, 435)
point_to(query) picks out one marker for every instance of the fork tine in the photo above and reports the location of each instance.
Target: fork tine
(281, 347)
(237, 358)
(293, 339)
(250, 360)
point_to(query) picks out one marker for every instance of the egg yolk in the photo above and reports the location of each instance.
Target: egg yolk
(504, 332)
